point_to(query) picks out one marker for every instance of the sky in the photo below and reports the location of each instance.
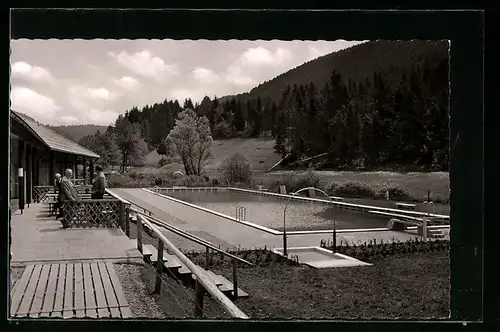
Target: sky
(67, 82)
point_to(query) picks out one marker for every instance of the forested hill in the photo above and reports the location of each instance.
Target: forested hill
(376, 104)
(357, 63)
(77, 132)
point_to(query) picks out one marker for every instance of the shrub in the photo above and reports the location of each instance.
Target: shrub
(236, 169)
(125, 181)
(332, 188)
(193, 181)
(373, 250)
(354, 189)
(396, 191)
(308, 180)
(295, 182)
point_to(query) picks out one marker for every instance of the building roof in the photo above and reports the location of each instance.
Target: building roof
(50, 138)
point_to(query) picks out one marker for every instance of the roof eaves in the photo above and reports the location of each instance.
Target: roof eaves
(85, 152)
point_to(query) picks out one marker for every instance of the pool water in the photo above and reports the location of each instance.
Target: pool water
(269, 211)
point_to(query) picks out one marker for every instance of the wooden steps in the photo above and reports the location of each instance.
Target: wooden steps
(174, 265)
(69, 290)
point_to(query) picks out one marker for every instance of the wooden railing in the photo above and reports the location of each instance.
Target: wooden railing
(203, 283)
(39, 193)
(95, 213)
(79, 182)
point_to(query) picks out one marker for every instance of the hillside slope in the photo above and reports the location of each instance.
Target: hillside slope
(258, 151)
(358, 63)
(76, 132)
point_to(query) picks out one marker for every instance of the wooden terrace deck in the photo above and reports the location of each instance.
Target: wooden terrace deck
(69, 290)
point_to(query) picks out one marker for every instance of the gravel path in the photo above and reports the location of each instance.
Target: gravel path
(15, 274)
(136, 291)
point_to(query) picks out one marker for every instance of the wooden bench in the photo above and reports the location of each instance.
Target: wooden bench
(406, 206)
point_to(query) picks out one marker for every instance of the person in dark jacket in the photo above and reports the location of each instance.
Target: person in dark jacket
(99, 185)
(68, 190)
(57, 189)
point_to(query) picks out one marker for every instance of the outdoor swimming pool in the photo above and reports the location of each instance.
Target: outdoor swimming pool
(268, 211)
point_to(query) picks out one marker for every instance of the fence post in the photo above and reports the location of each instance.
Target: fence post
(122, 216)
(207, 252)
(139, 234)
(127, 221)
(199, 294)
(235, 279)
(159, 267)
(424, 229)
(334, 241)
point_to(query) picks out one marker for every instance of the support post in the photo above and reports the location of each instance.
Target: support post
(199, 294)
(91, 169)
(36, 167)
(20, 174)
(52, 168)
(84, 170)
(159, 267)
(121, 216)
(29, 173)
(75, 169)
(235, 279)
(207, 252)
(66, 163)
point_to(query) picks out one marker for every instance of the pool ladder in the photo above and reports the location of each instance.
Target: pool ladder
(241, 213)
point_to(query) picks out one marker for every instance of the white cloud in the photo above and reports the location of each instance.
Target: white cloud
(144, 63)
(126, 82)
(205, 75)
(83, 98)
(259, 56)
(68, 119)
(33, 103)
(102, 117)
(236, 76)
(22, 69)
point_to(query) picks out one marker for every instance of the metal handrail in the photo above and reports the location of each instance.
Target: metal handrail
(201, 278)
(194, 238)
(131, 203)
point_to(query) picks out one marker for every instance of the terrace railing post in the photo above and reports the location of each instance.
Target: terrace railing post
(199, 294)
(121, 216)
(235, 279)
(159, 267)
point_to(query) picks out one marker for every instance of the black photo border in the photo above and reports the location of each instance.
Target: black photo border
(465, 30)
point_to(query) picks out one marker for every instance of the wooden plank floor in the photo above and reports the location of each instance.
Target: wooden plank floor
(69, 290)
